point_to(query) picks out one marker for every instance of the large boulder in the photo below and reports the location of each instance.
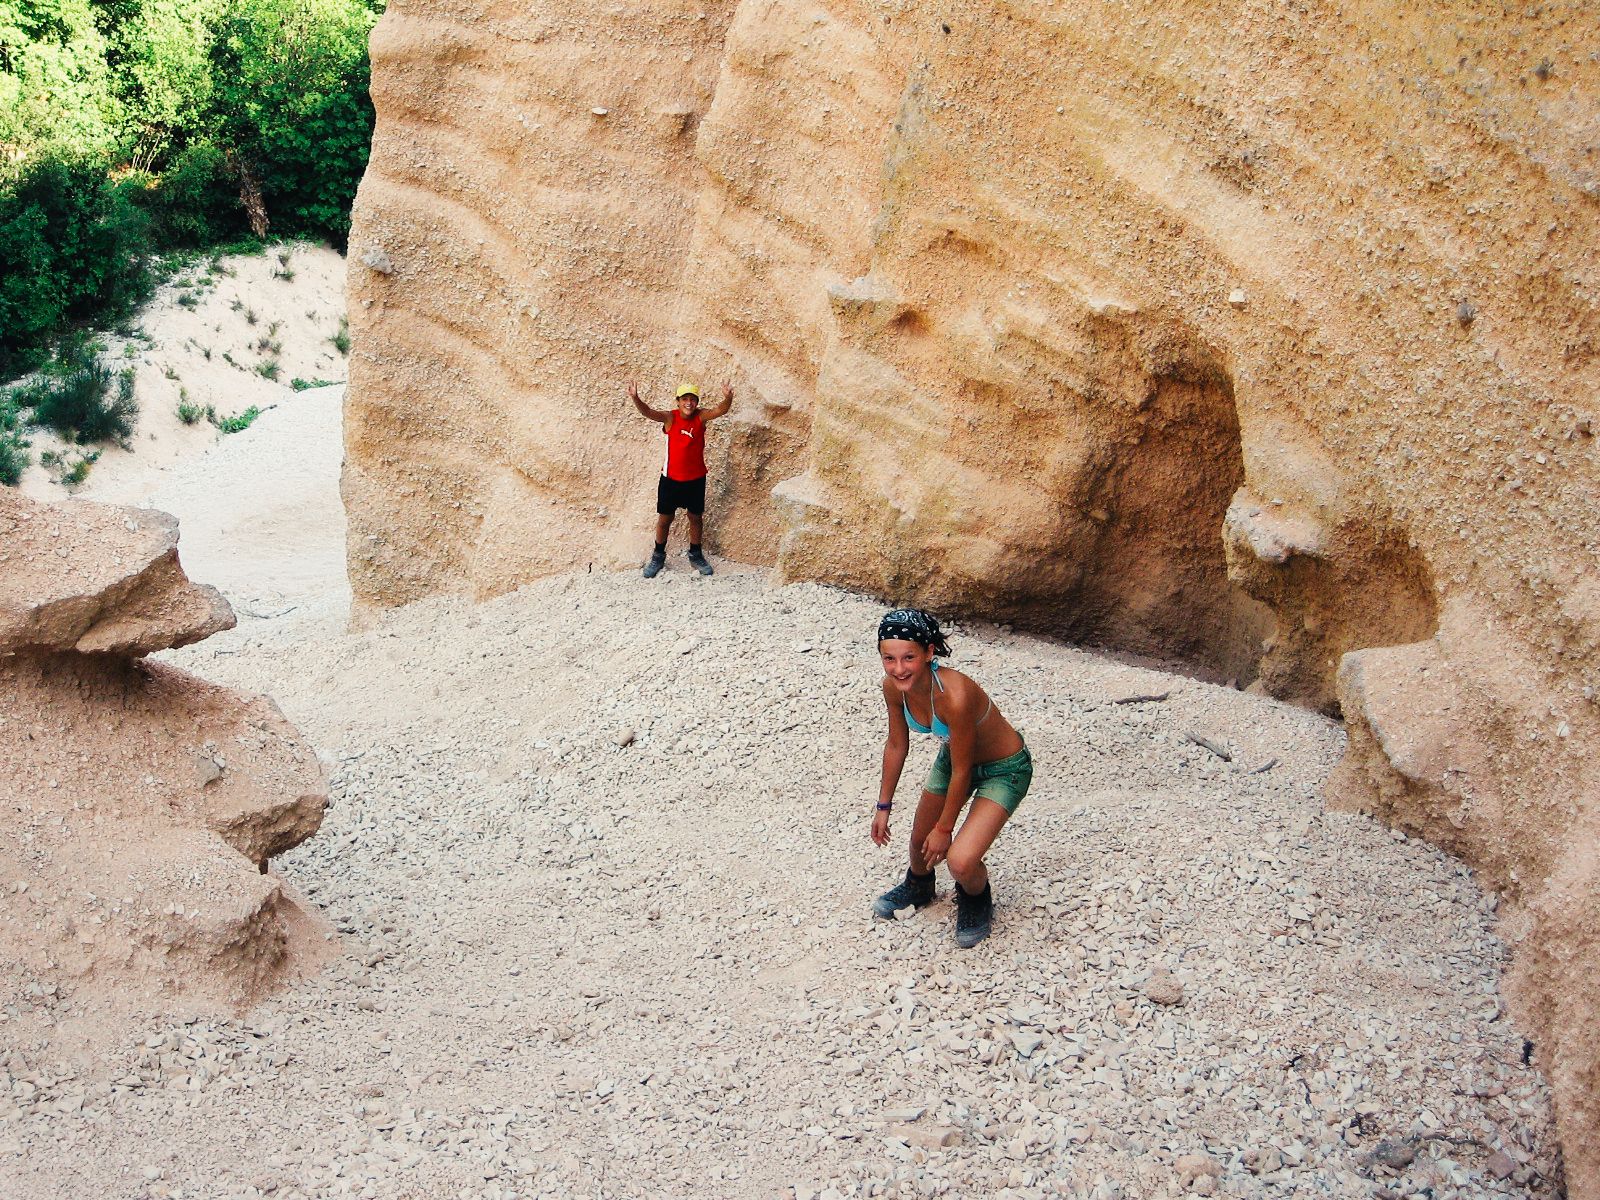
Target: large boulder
(143, 804)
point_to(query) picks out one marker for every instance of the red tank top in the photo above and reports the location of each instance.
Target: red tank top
(686, 448)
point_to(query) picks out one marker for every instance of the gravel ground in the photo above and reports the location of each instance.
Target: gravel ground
(599, 870)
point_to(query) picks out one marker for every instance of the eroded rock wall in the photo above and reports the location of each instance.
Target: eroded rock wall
(1262, 335)
(142, 804)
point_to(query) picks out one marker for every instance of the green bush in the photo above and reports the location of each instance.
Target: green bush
(72, 248)
(72, 473)
(234, 424)
(74, 398)
(14, 457)
(196, 202)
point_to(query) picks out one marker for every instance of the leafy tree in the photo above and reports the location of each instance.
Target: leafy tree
(290, 102)
(159, 55)
(55, 86)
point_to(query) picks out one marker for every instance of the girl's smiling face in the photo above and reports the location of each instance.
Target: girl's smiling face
(904, 662)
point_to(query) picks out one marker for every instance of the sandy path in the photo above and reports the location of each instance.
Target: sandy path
(572, 967)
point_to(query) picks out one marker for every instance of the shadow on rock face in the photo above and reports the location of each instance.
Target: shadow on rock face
(1072, 477)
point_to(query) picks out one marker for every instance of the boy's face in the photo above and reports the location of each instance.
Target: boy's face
(688, 405)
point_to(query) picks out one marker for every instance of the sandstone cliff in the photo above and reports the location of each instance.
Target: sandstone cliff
(142, 803)
(1260, 335)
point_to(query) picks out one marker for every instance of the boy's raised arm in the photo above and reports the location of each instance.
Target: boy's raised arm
(644, 409)
(717, 410)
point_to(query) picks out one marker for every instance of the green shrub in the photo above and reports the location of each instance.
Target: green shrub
(268, 369)
(14, 457)
(67, 470)
(341, 336)
(188, 412)
(235, 423)
(72, 249)
(196, 202)
(74, 398)
(73, 473)
(301, 385)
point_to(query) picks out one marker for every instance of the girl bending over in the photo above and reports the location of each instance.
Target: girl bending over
(982, 756)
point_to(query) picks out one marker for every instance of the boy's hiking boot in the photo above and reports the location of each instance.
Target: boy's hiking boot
(698, 562)
(974, 916)
(911, 892)
(653, 567)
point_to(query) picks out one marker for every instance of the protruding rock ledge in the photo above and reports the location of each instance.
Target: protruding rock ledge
(98, 579)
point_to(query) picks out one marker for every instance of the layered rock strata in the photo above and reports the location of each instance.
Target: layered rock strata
(1261, 336)
(143, 804)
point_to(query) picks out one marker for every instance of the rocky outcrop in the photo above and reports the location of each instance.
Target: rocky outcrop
(143, 804)
(1456, 739)
(1260, 338)
(99, 580)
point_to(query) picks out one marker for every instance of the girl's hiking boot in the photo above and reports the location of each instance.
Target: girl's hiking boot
(698, 562)
(911, 892)
(653, 567)
(974, 916)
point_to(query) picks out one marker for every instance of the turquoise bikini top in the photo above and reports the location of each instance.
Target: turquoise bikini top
(940, 730)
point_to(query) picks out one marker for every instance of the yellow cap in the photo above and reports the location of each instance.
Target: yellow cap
(687, 389)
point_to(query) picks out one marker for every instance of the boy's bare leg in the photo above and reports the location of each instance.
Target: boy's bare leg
(663, 527)
(694, 528)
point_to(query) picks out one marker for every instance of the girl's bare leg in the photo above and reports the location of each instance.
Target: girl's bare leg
(983, 824)
(929, 807)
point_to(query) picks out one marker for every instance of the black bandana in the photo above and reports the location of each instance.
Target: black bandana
(910, 625)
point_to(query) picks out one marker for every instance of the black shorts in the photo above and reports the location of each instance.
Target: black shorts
(688, 494)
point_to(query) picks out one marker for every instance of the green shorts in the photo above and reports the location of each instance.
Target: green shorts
(1005, 780)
